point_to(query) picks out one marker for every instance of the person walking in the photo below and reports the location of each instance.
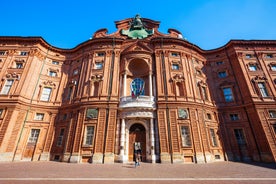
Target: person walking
(137, 154)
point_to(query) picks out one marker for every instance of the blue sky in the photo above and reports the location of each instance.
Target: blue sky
(208, 24)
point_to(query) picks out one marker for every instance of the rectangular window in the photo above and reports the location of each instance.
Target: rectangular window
(274, 127)
(239, 136)
(263, 89)
(222, 74)
(18, 65)
(55, 62)
(228, 95)
(219, 63)
(76, 72)
(234, 117)
(98, 65)
(23, 53)
(39, 116)
(213, 138)
(7, 87)
(252, 67)
(33, 136)
(2, 52)
(175, 66)
(100, 54)
(89, 135)
(185, 136)
(70, 90)
(272, 113)
(273, 67)
(204, 92)
(248, 56)
(1, 113)
(269, 56)
(175, 54)
(52, 73)
(46, 93)
(60, 137)
(209, 116)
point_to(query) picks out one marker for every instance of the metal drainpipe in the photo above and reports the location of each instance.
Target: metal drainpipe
(108, 98)
(166, 97)
(29, 107)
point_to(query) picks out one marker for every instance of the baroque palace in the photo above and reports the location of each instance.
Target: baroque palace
(94, 102)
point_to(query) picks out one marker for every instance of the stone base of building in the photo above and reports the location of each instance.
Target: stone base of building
(122, 158)
(109, 158)
(6, 157)
(75, 158)
(165, 158)
(178, 158)
(267, 157)
(44, 157)
(199, 158)
(66, 157)
(97, 158)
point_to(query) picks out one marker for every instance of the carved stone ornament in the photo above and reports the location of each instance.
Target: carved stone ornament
(137, 29)
(97, 78)
(13, 76)
(72, 82)
(49, 83)
(259, 78)
(178, 78)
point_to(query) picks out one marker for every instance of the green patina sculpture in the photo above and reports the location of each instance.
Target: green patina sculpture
(137, 29)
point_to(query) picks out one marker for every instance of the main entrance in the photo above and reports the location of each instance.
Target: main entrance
(137, 134)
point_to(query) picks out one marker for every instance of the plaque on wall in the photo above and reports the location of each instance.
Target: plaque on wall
(183, 113)
(91, 113)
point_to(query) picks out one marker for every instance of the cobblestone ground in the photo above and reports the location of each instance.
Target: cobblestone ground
(57, 172)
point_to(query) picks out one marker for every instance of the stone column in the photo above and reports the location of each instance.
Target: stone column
(122, 141)
(152, 142)
(125, 81)
(150, 84)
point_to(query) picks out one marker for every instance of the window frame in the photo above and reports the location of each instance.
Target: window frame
(272, 113)
(7, 87)
(89, 136)
(213, 136)
(175, 66)
(44, 94)
(52, 73)
(186, 140)
(39, 116)
(60, 137)
(240, 137)
(226, 95)
(234, 117)
(222, 74)
(262, 89)
(33, 136)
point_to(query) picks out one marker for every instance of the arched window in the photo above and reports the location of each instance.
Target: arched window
(137, 87)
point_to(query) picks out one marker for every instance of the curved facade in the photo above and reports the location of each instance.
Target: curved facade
(137, 86)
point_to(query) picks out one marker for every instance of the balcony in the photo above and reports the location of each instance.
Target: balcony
(137, 102)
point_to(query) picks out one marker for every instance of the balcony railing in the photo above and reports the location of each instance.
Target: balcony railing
(139, 101)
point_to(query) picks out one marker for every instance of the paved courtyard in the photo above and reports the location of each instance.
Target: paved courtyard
(57, 172)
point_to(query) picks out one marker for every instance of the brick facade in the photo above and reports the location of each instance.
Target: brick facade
(183, 104)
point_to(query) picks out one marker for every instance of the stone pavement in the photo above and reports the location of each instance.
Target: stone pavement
(57, 172)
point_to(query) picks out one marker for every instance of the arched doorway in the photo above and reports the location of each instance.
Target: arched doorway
(137, 134)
